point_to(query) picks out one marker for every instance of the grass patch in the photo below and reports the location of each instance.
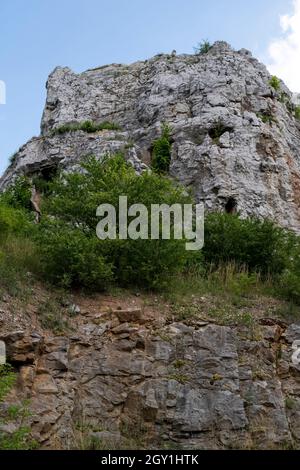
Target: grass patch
(7, 380)
(18, 259)
(87, 126)
(227, 295)
(180, 378)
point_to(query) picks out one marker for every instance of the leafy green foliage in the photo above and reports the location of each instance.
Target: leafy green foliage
(12, 158)
(19, 194)
(16, 414)
(289, 283)
(41, 181)
(297, 112)
(7, 380)
(203, 47)
(71, 256)
(41, 184)
(86, 126)
(11, 220)
(275, 83)
(255, 244)
(20, 438)
(161, 155)
(64, 247)
(71, 253)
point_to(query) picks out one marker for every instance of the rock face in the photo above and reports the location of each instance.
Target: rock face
(166, 383)
(202, 386)
(235, 139)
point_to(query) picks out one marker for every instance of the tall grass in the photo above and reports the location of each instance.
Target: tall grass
(18, 259)
(87, 126)
(228, 280)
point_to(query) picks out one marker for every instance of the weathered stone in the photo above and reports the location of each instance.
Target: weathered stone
(106, 437)
(131, 315)
(292, 333)
(124, 328)
(204, 388)
(2, 353)
(45, 384)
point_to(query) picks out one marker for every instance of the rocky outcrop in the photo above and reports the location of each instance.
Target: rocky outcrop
(235, 139)
(122, 376)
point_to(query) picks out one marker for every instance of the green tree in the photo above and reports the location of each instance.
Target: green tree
(161, 155)
(70, 250)
(256, 244)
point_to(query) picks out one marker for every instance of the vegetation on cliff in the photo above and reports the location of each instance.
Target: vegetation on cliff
(65, 251)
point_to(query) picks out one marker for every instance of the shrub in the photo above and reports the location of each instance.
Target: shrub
(86, 126)
(289, 282)
(73, 255)
(161, 156)
(11, 221)
(275, 83)
(203, 47)
(258, 245)
(72, 258)
(289, 285)
(7, 380)
(18, 440)
(297, 112)
(41, 184)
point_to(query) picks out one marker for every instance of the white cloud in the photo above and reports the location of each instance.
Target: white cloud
(284, 52)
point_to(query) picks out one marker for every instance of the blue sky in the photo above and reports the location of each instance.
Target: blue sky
(37, 35)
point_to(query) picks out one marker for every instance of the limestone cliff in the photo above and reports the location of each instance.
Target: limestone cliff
(235, 138)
